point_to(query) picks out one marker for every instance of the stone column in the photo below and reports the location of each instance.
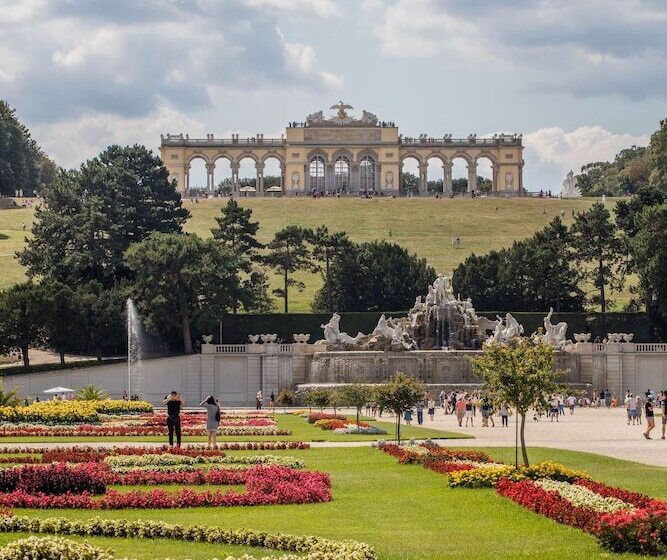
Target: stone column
(186, 177)
(235, 177)
(355, 183)
(423, 175)
(210, 176)
(494, 177)
(329, 181)
(472, 176)
(447, 178)
(282, 178)
(259, 181)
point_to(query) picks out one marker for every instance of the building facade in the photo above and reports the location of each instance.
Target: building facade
(346, 155)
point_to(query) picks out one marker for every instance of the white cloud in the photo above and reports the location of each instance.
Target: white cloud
(302, 61)
(317, 8)
(72, 141)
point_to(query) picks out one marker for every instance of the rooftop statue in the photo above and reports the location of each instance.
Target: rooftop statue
(340, 107)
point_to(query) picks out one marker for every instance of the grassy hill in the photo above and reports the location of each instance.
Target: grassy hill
(424, 226)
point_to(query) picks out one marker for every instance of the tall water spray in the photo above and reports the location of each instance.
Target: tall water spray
(134, 350)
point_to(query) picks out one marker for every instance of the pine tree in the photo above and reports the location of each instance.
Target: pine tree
(326, 247)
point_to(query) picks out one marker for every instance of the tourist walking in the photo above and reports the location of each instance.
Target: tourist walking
(212, 420)
(431, 409)
(640, 409)
(259, 399)
(650, 418)
(663, 406)
(553, 408)
(504, 415)
(469, 413)
(174, 404)
(460, 408)
(571, 401)
(420, 413)
(272, 401)
(631, 408)
(407, 416)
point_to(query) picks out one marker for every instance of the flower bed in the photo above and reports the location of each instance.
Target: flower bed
(48, 548)
(313, 417)
(168, 459)
(315, 548)
(264, 485)
(70, 412)
(102, 430)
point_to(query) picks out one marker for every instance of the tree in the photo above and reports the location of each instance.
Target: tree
(177, 276)
(649, 251)
(628, 211)
(399, 394)
(409, 183)
(375, 276)
(326, 247)
(238, 233)
(92, 216)
(596, 242)
(63, 321)
(23, 165)
(520, 374)
(22, 311)
(626, 174)
(8, 398)
(285, 398)
(357, 395)
(657, 153)
(336, 399)
(318, 398)
(91, 393)
(288, 254)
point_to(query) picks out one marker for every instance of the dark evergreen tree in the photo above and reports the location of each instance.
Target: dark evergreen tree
(375, 276)
(326, 247)
(92, 216)
(289, 253)
(599, 252)
(63, 321)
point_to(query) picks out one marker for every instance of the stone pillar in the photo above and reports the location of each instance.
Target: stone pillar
(447, 178)
(355, 182)
(210, 176)
(520, 186)
(259, 181)
(186, 177)
(329, 180)
(472, 176)
(494, 177)
(423, 175)
(235, 177)
(282, 177)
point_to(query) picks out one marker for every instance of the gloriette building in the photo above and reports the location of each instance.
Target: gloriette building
(347, 155)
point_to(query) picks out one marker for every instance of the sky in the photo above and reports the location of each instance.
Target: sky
(579, 79)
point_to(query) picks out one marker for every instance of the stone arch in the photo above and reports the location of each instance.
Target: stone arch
(462, 155)
(272, 174)
(243, 155)
(488, 155)
(342, 152)
(198, 177)
(198, 155)
(437, 155)
(486, 171)
(275, 155)
(223, 173)
(366, 152)
(316, 152)
(411, 154)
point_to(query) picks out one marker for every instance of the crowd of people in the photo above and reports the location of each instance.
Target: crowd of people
(645, 405)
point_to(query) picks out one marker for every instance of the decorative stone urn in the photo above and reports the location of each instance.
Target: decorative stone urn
(207, 338)
(628, 337)
(301, 338)
(268, 338)
(253, 338)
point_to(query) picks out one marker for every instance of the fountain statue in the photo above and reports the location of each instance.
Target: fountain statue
(569, 188)
(134, 350)
(555, 334)
(437, 321)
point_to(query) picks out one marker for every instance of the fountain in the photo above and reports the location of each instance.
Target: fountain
(135, 331)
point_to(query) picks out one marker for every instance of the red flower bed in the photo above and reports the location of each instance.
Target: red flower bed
(154, 478)
(640, 531)
(264, 486)
(51, 480)
(444, 467)
(462, 455)
(634, 498)
(87, 430)
(403, 455)
(548, 503)
(315, 416)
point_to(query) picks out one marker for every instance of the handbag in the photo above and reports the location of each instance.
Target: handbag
(217, 415)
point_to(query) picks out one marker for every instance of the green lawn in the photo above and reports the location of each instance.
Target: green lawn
(404, 511)
(424, 226)
(300, 428)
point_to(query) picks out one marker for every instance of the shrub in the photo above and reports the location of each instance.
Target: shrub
(641, 531)
(48, 548)
(58, 479)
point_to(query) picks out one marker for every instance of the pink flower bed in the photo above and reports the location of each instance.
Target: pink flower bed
(100, 430)
(265, 485)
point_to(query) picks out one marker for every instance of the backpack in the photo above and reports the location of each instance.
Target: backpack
(217, 415)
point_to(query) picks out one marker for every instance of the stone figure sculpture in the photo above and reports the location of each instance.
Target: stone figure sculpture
(569, 188)
(295, 180)
(333, 336)
(315, 118)
(554, 334)
(368, 118)
(388, 180)
(506, 329)
(509, 180)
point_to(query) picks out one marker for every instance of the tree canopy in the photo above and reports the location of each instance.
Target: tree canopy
(91, 216)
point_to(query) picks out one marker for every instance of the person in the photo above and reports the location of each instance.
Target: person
(631, 408)
(460, 410)
(553, 408)
(571, 401)
(125, 395)
(258, 400)
(272, 401)
(441, 398)
(469, 414)
(407, 416)
(174, 404)
(561, 404)
(504, 415)
(212, 420)
(650, 418)
(431, 409)
(486, 407)
(607, 398)
(420, 412)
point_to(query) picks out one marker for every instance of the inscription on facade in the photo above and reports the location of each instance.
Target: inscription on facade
(342, 135)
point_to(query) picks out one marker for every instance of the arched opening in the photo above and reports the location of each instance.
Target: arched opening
(435, 175)
(342, 174)
(222, 176)
(459, 175)
(367, 174)
(484, 174)
(409, 183)
(247, 176)
(316, 174)
(197, 177)
(273, 179)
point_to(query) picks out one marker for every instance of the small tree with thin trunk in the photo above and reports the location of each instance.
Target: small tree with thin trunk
(319, 398)
(520, 374)
(357, 395)
(285, 398)
(399, 394)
